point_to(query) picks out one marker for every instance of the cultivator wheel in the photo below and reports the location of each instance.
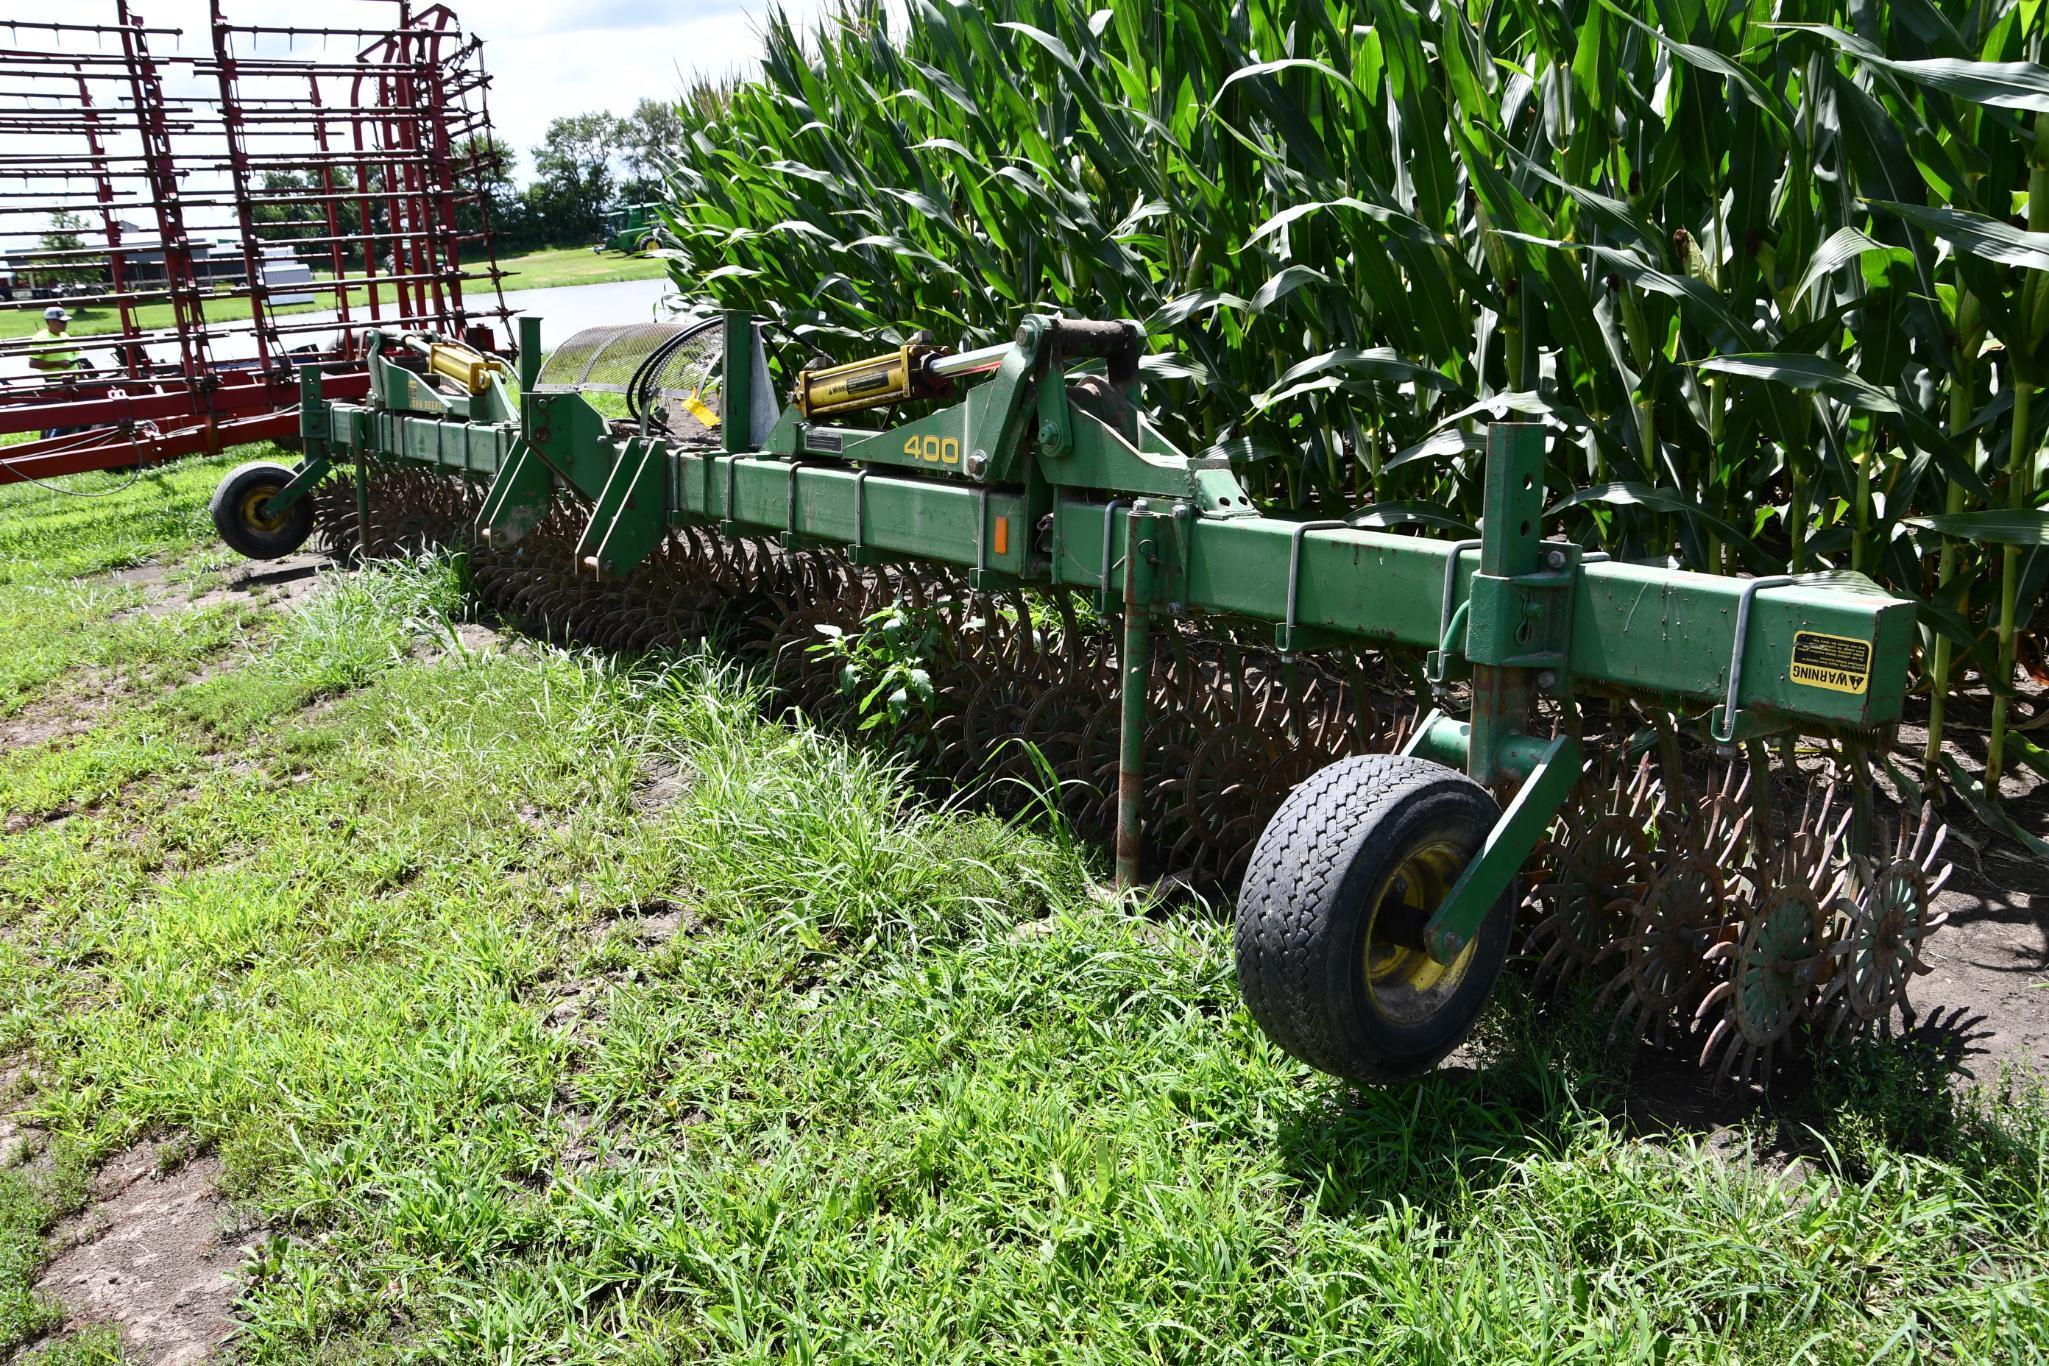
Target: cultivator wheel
(1329, 929)
(1596, 865)
(1773, 963)
(1883, 917)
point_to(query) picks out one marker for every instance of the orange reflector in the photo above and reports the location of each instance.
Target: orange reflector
(1002, 535)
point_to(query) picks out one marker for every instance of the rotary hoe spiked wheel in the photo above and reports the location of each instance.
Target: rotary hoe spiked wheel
(1882, 919)
(1662, 964)
(1597, 865)
(1773, 962)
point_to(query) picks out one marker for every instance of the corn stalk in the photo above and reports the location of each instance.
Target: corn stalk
(1720, 248)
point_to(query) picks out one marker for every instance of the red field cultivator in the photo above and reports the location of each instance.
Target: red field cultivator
(211, 221)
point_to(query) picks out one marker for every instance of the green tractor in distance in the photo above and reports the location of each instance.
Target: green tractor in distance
(629, 229)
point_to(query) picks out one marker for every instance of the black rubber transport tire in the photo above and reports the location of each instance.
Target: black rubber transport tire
(237, 509)
(1367, 835)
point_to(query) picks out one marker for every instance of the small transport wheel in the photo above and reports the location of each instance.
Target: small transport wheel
(240, 515)
(1330, 919)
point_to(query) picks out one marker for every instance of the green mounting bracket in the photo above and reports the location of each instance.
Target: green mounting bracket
(1026, 420)
(1547, 771)
(529, 353)
(310, 472)
(1515, 628)
(736, 364)
(631, 514)
(569, 437)
(1056, 427)
(518, 498)
(315, 462)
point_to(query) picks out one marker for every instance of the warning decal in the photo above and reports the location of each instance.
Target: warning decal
(1838, 663)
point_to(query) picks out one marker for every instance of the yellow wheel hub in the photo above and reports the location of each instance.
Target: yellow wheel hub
(252, 510)
(1404, 984)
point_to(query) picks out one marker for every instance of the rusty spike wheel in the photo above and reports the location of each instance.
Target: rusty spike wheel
(1664, 965)
(1774, 964)
(1718, 825)
(1813, 850)
(1883, 918)
(1329, 923)
(1597, 873)
(1597, 865)
(335, 524)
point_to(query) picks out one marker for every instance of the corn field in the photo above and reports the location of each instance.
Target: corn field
(1775, 276)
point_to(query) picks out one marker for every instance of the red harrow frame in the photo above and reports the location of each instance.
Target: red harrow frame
(191, 173)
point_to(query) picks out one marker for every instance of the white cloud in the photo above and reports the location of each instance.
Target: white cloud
(546, 57)
(552, 59)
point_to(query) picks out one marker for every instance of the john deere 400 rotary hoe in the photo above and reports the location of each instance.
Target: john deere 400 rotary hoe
(1224, 693)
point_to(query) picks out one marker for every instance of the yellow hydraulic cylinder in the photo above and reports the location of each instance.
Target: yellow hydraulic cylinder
(894, 377)
(470, 368)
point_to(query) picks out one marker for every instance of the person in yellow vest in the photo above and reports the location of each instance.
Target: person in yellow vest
(50, 352)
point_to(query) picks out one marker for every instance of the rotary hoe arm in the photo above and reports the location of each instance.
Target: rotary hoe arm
(647, 479)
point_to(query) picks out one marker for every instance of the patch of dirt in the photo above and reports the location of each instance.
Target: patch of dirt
(662, 784)
(649, 924)
(72, 707)
(278, 583)
(149, 577)
(471, 638)
(577, 1001)
(1989, 984)
(20, 1141)
(154, 1254)
(1990, 965)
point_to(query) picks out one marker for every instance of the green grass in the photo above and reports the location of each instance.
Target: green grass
(559, 266)
(366, 911)
(547, 269)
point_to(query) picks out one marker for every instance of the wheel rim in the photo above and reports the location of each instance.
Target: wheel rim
(1404, 984)
(252, 509)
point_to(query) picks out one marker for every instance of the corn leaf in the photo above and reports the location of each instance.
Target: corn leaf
(1996, 527)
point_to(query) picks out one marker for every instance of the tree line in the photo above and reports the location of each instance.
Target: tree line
(585, 164)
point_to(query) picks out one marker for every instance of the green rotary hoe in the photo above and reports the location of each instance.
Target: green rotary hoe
(1393, 749)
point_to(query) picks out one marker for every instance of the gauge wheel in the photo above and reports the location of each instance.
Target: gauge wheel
(1330, 918)
(242, 516)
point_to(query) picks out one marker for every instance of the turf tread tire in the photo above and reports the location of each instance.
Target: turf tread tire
(252, 541)
(1298, 926)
